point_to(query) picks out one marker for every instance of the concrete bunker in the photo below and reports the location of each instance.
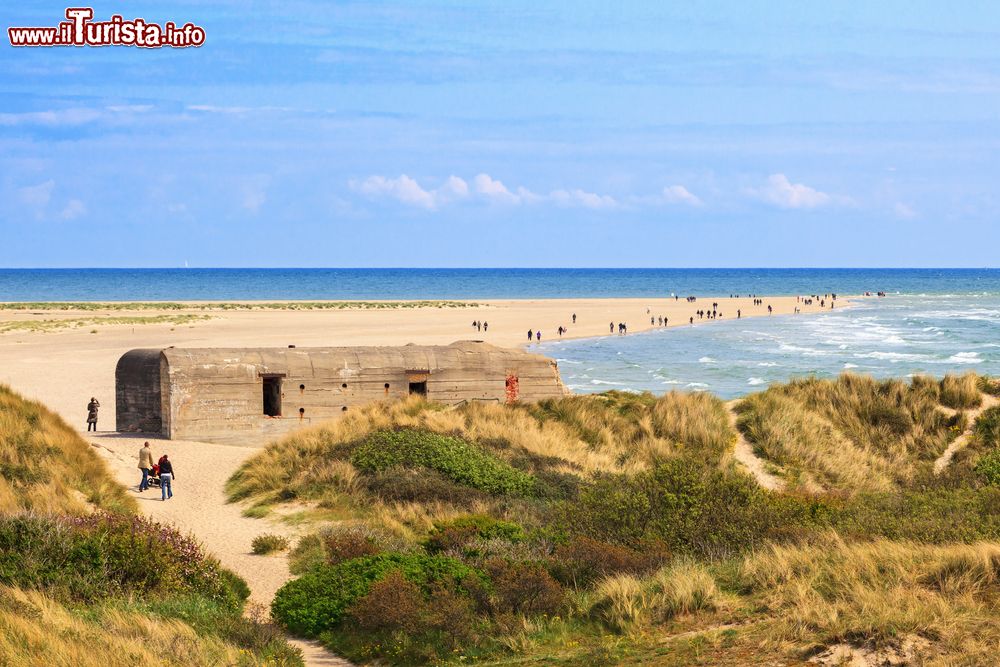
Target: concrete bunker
(251, 395)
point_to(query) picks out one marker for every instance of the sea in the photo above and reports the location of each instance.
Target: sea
(931, 321)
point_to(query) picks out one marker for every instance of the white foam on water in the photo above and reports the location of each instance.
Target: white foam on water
(706, 360)
(965, 358)
(753, 382)
(617, 384)
(849, 365)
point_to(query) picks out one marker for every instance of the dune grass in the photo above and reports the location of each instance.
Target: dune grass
(37, 630)
(229, 305)
(878, 592)
(856, 433)
(45, 466)
(76, 323)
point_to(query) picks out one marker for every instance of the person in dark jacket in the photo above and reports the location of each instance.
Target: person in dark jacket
(166, 477)
(92, 414)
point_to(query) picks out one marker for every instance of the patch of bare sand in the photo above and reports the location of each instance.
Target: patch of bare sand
(199, 506)
(962, 440)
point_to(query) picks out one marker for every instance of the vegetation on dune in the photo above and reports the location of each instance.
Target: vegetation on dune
(45, 466)
(855, 433)
(38, 630)
(76, 560)
(638, 536)
(74, 323)
(234, 305)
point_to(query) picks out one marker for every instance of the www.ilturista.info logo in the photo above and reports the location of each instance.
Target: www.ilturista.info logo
(80, 30)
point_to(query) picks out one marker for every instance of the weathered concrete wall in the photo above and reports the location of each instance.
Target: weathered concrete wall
(137, 392)
(216, 395)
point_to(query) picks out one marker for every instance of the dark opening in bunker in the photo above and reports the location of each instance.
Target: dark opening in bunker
(272, 396)
(418, 388)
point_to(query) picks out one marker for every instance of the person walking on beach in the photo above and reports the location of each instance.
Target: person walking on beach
(92, 408)
(531, 334)
(769, 310)
(166, 477)
(612, 327)
(145, 465)
(486, 326)
(574, 318)
(538, 336)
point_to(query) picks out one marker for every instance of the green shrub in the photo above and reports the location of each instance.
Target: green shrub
(420, 485)
(102, 556)
(268, 543)
(318, 600)
(398, 622)
(453, 457)
(458, 533)
(524, 588)
(987, 427)
(583, 560)
(989, 467)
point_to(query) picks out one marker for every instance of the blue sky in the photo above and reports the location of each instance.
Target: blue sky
(458, 134)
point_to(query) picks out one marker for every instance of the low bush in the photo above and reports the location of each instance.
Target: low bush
(101, 556)
(456, 459)
(988, 467)
(583, 560)
(402, 624)
(318, 600)
(268, 543)
(457, 534)
(398, 484)
(987, 428)
(523, 588)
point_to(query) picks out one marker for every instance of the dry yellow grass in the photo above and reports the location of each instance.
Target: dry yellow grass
(876, 593)
(625, 602)
(37, 631)
(46, 467)
(856, 433)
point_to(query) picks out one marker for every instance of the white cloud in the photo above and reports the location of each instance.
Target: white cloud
(483, 188)
(37, 196)
(74, 209)
(678, 194)
(785, 194)
(581, 198)
(58, 118)
(904, 211)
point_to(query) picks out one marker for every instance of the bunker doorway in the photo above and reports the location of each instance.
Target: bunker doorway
(272, 396)
(419, 388)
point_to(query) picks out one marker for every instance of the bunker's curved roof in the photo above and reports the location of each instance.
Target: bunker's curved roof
(306, 361)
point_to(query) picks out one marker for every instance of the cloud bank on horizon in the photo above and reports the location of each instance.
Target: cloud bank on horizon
(572, 134)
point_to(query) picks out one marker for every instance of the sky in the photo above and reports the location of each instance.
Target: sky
(508, 134)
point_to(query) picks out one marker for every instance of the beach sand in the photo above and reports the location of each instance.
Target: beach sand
(64, 367)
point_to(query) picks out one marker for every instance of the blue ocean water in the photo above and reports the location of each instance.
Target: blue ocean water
(253, 284)
(932, 321)
(897, 336)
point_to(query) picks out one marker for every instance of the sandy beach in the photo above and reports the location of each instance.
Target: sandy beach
(64, 366)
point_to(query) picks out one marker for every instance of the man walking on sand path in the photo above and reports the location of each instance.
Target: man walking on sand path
(92, 414)
(166, 477)
(145, 464)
